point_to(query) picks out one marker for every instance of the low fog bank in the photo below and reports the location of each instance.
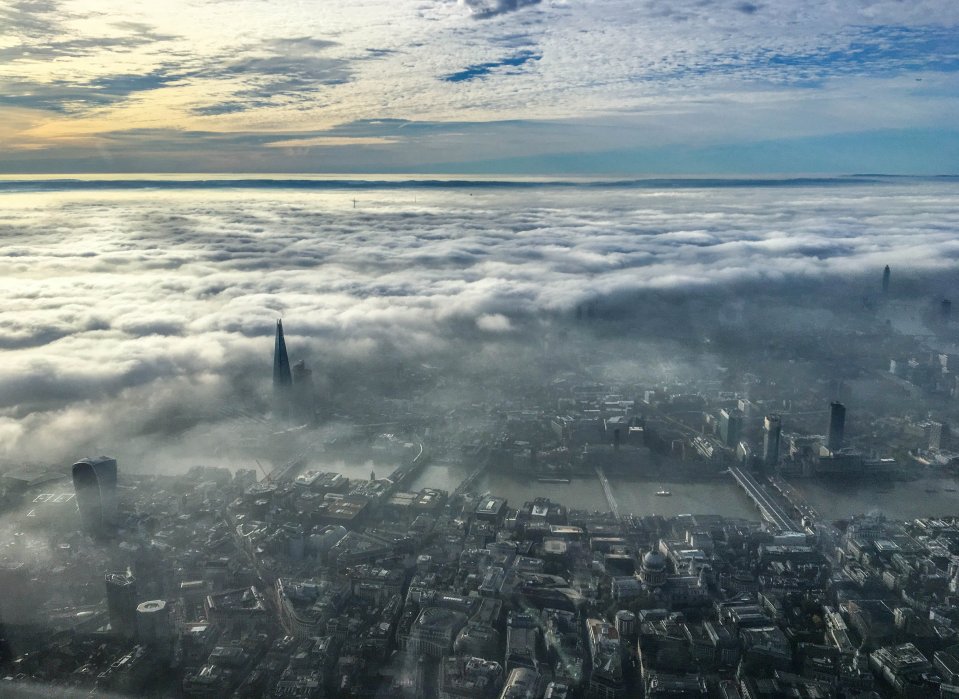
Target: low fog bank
(142, 325)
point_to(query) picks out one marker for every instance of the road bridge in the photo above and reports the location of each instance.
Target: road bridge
(771, 510)
(470, 480)
(798, 503)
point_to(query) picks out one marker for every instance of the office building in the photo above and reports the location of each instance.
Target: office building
(282, 375)
(885, 280)
(522, 683)
(463, 677)
(772, 431)
(153, 623)
(626, 624)
(730, 427)
(95, 483)
(122, 604)
(837, 426)
(606, 677)
(434, 631)
(522, 643)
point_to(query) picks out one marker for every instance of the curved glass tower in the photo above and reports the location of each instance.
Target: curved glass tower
(95, 483)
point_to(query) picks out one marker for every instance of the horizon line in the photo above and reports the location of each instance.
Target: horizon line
(11, 183)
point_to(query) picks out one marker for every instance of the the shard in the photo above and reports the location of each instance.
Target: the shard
(282, 376)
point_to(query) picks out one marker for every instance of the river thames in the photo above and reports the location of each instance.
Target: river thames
(932, 496)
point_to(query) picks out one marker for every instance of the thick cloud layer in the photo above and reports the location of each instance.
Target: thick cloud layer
(143, 318)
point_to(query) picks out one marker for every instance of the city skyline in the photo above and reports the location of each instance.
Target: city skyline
(478, 349)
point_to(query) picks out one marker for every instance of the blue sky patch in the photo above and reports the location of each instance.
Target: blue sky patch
(481, 70)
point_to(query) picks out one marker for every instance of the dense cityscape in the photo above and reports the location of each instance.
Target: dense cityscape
(295, 581)
(479, 349)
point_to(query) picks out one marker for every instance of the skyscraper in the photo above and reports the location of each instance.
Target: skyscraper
(122, 604)
(837, 426)
(772, 430)
(302, 394)
(730, 426)
(282, 376)
(153, 623)
(95, 483)
(885, 280)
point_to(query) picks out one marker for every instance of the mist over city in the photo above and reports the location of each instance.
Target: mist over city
(479, 349)
(150, 324)
(619, 392)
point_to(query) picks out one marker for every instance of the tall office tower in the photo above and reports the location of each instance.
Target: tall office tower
(837, 426)
(122, 604)
(885, 280)
(303, 390)
(153, 623)
(282, 376)
(772, 430)
(730, 426)
(95, 483)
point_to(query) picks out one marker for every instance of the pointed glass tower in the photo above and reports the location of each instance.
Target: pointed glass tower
(282, 376)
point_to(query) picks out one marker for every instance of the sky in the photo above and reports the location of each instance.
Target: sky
(542, 87)
(142, 326)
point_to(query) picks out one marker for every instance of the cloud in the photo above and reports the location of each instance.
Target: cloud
(127, 317)
(330, 141)
(275, 71)
(484, 9)
(41, 32)
(494, 323)
(240, 69)
(73, 97)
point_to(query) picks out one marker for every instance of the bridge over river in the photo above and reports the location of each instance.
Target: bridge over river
(770, 509)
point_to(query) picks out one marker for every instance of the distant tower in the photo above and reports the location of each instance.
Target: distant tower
(303, 390)
(95, 483)
(945, 310)
(730, 426)
(153, 623)
(122, 604)
(885, 280)
(282, 376)
(772, 430)
(837, 426)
